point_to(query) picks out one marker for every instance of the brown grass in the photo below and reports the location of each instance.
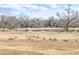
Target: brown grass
(46, 43)
(22, 47)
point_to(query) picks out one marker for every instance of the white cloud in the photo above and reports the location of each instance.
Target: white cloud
(14, 6)
(3, 5)
(33, 10)
(30, 6)
(25, 1)
(44, 8)
(53, 5)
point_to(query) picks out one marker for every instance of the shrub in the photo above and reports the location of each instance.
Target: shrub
(44, 38)
(65, 40)
(76, 40)
(33, 36)
(15, 37)
(11, 39)
(50, 38)
(54, 39)
(37, 37)
(30, 39)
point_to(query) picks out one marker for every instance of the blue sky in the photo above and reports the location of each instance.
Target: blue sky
(34, 10)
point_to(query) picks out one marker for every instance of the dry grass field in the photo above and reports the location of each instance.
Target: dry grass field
(39, 43)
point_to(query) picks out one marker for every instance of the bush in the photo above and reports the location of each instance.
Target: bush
(65, 40)
(50, 38)
(54, 39)
(11, 39)
(76, 40)
(44, 38)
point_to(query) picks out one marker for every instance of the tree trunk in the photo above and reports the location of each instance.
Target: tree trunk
(67, 29)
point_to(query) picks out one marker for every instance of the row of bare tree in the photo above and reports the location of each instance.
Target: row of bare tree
(68, 19)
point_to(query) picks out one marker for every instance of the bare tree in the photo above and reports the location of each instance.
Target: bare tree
(69, 16)
(8, 22)
(52, 21)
